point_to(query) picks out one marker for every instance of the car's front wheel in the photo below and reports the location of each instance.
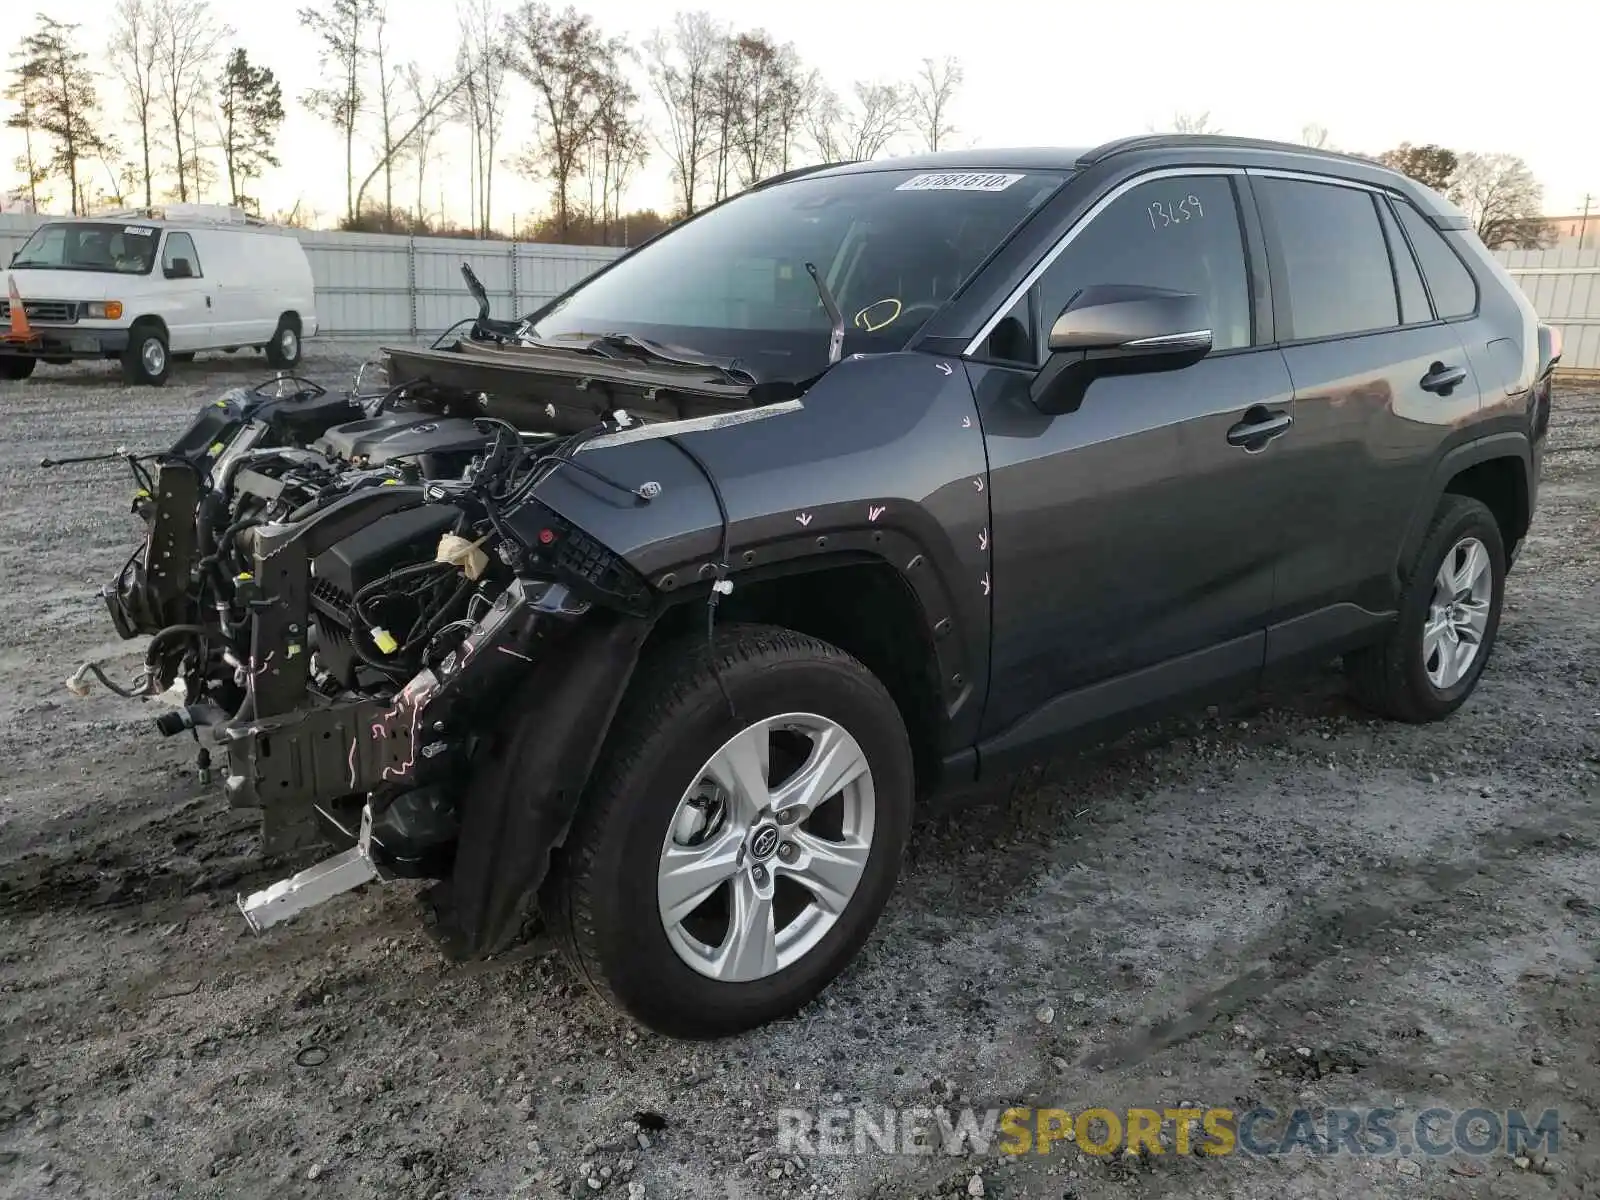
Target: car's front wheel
(1449, 616)
(726, 866)
(16, 366)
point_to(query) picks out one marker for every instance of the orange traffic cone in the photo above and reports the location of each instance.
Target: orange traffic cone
(21, 331)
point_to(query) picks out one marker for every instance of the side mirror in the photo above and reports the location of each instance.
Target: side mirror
(1119, 330)
(180, 269)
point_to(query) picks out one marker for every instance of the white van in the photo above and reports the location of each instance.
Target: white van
(151, 286)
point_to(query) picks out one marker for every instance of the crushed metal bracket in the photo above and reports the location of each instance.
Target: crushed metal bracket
(317, 884)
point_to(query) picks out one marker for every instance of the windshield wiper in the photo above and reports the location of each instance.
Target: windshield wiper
(835, 317)
(627, 345)
(659, 353)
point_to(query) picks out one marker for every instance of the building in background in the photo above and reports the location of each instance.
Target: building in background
(1580, 232)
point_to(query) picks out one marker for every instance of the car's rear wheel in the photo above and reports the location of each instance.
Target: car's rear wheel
(1449, 616)
(283, 351)
(16, 366)
(146, 360)
(726, 867)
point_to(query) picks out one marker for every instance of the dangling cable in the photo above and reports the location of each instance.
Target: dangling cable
(720, 585)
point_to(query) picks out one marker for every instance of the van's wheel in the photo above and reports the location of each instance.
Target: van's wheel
(1449, 615)
(723, 869)
(283, 351)
(146, 360)
(16, 366)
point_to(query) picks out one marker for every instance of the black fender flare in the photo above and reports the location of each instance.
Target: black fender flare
(1512, 444)
(948, 582)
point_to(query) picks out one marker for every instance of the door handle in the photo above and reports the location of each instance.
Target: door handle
(1259, 427)
(1441, 379)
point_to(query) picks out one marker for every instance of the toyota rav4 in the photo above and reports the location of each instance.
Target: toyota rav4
(658, 611)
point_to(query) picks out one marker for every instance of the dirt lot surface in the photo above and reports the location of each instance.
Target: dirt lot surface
(1291, 906)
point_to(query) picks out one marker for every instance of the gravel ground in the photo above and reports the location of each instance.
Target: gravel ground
(1288, 905)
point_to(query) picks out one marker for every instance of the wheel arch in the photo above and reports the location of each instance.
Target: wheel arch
(1496, 469)
(865, 607)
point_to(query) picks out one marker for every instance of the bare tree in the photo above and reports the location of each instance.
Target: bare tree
(620, 144)
(563, 59)
(932, 92)
(481, 63)
(133, 57)
(63, 105)
(1185, 122)
(418, 91)
(25, 91)
(186, 39)
(726, 88)
(759, 69)
(1315, 136)
(249, 114)
(435, 100)
(682, 69)
(1430, 165)
(341, 29)
(824, 121)
(1503, 199)
(879, 115)
(389, 76)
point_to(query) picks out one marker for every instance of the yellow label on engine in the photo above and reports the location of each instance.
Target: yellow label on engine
(384, 640)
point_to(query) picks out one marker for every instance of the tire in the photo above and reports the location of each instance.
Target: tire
(17, 366)
(1402, 679)
(147, 359)
(283, 351)
(602, 900)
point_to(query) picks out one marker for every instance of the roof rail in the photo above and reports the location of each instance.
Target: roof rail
(1219, 141)
(196, 214)
(797, 173)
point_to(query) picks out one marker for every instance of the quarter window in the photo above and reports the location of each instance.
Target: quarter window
(1333, 257)
(1180, 233)
(180, 246)
(1455, 294)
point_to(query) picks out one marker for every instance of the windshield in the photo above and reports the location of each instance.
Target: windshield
(90, 246)
(892, 246)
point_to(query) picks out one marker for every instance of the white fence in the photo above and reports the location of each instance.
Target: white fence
(378, 286)
(1564, 286)
(373, 287)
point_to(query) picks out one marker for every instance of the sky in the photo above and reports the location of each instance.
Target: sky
(1037, 72)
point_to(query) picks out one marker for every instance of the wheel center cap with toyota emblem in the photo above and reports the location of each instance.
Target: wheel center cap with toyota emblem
(764, 842)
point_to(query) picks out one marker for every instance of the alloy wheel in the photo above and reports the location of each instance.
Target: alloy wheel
(1458, 613)
(766, 847)
(153, 355)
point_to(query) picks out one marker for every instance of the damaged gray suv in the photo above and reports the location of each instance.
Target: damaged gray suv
(657, 613)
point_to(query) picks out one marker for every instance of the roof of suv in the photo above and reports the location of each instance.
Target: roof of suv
(1175, 147)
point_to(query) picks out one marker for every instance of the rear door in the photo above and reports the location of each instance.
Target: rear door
(1135, 539)
(1376, 375)
(184, 296)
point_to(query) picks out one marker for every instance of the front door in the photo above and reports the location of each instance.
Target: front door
(1135, 539)
(187, 296)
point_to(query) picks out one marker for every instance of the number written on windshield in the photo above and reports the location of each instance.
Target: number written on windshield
(1166, 212)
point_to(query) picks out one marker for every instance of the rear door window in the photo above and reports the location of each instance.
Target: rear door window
(1332, 256)
(1414, 309)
